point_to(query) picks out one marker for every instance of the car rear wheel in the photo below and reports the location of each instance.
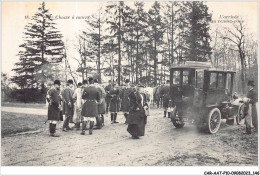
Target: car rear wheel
(213, 121)
(176, 120)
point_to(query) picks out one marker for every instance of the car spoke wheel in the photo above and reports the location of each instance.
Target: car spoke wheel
(213, 121)
(176, 120)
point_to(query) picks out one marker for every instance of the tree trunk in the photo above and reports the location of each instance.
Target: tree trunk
(119, 47)
(137, 60)
(243, 74)
(99, 49)
(155, 63)
(172, 35)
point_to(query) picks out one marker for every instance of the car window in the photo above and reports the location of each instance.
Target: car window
(228, 85)
(213, 80)
(176, 77)
(199, 79)
(186, 77)
(220, 80)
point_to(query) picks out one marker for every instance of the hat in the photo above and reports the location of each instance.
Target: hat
(127, 81)
(90, 80)
(251, 83)
(57, 82)
(85, 81)
(79, 84)
(70, 81)
(95, 81)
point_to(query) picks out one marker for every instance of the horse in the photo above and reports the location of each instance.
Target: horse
(149, 92)
(157, 97)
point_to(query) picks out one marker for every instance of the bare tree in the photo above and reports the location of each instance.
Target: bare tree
(237, 36)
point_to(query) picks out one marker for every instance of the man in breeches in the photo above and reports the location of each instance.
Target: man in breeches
(90, 107)
(54, 107)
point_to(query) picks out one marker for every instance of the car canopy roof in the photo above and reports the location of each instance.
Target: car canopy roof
(199, 66)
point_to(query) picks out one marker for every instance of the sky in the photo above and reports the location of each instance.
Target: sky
(14, 20)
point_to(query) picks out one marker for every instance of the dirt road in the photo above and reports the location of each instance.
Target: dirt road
(162, 145)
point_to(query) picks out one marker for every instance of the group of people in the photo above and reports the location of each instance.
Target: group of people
(90, 101)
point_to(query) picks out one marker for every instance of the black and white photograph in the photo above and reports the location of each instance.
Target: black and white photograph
(128, 84)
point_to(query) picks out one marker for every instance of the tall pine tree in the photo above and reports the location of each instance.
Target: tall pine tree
(197, 39)
(43, 48)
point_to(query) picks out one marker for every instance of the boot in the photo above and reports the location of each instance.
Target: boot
(169, 114)
(54, 131)
(102, 119)
(125, 114)
(112, 118)
(50, 128)
(97, 122)
(66, 124)
(77, 125)
(91, 125)
(164, 114)
(84, 124)
(115, 118)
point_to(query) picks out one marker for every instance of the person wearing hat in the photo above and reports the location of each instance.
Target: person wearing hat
(137, 118)
(125, 103)
(89, 109)
(251, 117)
(53, 107)
(101, 104)
(108, 88)
(114, 103)
(68, 104)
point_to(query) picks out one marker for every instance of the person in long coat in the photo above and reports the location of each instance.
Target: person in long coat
(108, 88)
(90, 109)
(251, 118)
(67, 97)
(77, 96)
(114, 103)
(101, 104)
(125, 103)
(54, 107)
(165, 93)
(137, 118)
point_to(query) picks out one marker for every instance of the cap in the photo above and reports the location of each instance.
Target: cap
(251, 83)
(57, 82)
(70, 81)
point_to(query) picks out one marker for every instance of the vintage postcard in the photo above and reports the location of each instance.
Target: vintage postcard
(113, 84)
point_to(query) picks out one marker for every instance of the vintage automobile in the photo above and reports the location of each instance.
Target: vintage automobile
(202, 95)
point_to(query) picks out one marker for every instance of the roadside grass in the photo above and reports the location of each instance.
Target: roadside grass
(25, 105)
(12, 123)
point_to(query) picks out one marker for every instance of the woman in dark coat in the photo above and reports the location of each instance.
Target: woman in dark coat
(114, 108)
(137, 118)
(54, 107)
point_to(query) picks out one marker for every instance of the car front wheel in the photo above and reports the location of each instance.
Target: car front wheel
(213, 121)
